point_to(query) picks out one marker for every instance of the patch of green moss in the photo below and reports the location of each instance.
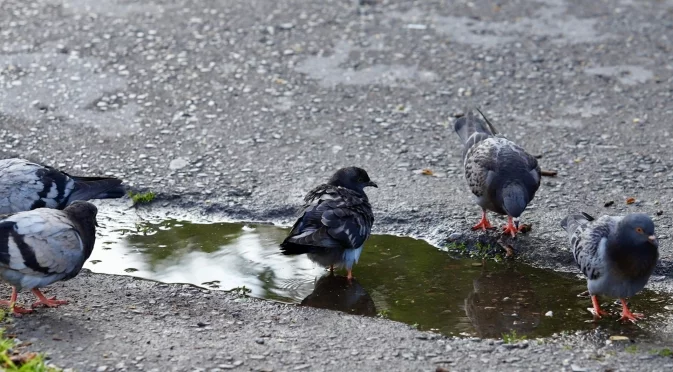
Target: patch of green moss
(142, 197)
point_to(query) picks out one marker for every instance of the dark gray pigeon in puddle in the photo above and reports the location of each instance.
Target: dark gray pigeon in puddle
(25, 185)
(336, 220)
(617, 254)
(42, 246)
(502, 176)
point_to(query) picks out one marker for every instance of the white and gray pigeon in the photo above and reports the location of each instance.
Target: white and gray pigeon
(336, 220)
(42, 246)
(25, 185)
(502, 175)
(617, 254)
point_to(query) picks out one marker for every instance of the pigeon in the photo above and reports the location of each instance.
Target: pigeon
(336, 220)
(25, 185)
(617, 254)
(42, 246)
(502, 176)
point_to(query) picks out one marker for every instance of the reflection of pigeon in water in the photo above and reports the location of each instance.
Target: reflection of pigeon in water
(339, 293)
(25, 186)
(502, 301)
(42, 246)
(502, 175)
(616, 254)
(336, 221)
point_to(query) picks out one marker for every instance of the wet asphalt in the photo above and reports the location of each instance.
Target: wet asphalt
(237, 108)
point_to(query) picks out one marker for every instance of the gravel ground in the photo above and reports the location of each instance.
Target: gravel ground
(198, 100)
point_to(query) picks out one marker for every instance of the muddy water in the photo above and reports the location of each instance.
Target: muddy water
(400, 278)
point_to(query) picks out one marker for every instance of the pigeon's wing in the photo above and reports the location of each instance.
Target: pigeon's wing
(480, 164)
(40, 242)
(586, 240)
(515, 161)
(25, 185)
(333, 217)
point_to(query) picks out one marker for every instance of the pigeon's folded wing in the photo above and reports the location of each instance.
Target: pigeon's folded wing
(586, 243)
(333, 217)
(41, 241)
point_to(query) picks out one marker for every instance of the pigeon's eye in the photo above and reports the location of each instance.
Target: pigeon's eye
(639, 230)
(361, 180)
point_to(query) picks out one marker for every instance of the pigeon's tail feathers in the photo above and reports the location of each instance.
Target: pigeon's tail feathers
(573, 221)
(291, 248)
(87, 188)
(469, 124)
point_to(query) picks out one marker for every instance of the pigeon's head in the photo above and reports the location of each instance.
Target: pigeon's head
(514, 200)
(637, 230)
(353, 178)
(83, 213)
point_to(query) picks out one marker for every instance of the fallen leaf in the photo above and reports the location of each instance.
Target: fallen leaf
(22, 359)
(441, 369)
(630, 200)
(525, 227)
(427, 172)
(619, 338)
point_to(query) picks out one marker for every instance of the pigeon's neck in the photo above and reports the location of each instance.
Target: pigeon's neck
(631, 261)
(359, 190)
(514, 199)
(86, 227)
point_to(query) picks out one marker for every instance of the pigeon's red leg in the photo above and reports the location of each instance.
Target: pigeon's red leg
(510, 228)
(483, 223)
(627, 314)
(331, 268)
(349, 276)
(598, 313)
(11, 304)
(48, 302)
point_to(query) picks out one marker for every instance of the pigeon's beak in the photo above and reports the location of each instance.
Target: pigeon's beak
(372, 184)
(653, 240)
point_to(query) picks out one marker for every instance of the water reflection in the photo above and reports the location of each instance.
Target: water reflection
(336, 292)
(502, 300)
(406, 279)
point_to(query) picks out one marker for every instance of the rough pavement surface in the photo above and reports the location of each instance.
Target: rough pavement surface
(238, 108)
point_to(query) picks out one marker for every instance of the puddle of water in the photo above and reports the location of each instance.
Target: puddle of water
(404, 279)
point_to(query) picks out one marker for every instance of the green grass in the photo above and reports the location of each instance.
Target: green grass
(480, 251)
(512, 337)
(384, 313)
(631, 349)
(142, 197)
(23, 362)
(242, 291)
(662, 353)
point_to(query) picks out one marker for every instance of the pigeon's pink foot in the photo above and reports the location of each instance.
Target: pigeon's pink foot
(628, 315)
(349, 276)
(598, 313)
(11, 304)
(483, 223)
(510, 228)
(48, 302)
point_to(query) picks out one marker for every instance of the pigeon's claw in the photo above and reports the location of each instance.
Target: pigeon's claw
(483, 223)
(11, 304)
(510, 228)
(48, 302)
(598, 313)
(628, 315)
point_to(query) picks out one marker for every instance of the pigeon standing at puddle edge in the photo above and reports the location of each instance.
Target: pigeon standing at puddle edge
(616, 254)
(336, 220)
